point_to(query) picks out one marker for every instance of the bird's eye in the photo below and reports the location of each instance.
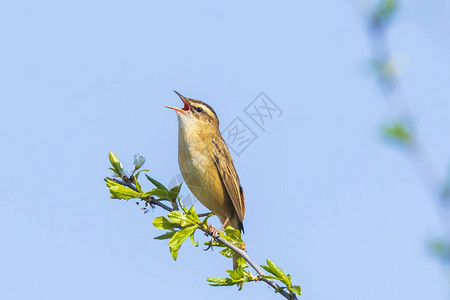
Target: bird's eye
(199, 109)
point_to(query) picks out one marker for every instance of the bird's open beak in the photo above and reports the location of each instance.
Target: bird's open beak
(186, 106)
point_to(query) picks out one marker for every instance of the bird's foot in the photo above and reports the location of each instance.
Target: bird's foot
(213, 232)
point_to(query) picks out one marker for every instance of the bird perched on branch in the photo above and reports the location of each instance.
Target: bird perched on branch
(206, 164)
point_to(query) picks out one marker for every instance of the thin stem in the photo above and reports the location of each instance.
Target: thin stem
(174, 205)
(204, 214)
(153, 201)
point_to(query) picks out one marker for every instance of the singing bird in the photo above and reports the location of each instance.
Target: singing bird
(206, 164)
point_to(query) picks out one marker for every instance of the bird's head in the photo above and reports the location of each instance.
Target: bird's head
(196, 115)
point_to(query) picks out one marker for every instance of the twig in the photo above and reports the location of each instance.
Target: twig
(150, 200)
(125, 183)
(204, 214)
(174, 205)
(241, 252)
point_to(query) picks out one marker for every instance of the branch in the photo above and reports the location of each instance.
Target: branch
(152, 201)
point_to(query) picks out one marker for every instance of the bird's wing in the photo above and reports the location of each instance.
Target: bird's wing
(230, 179)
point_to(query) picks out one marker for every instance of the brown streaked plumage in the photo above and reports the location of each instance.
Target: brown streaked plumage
(206, 164)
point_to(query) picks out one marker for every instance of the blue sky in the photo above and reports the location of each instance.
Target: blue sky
(327, 199)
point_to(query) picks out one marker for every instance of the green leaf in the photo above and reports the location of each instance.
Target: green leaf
(215, 244)
(228, 282)
(278, 272)
(281, 276)
(122, 192)
(110, 182)
(205, 220)
(137, 174)
(267, 268)
(270, 277)
(163, 223)
(217, 279)
(178, 238)
(176, 215)
(174, 254)
(384, 68)
(441, 248)
(241, 261)
(156, 183)
(237, 273)
(227, 252)
(182, 206)
(398, 132)
(438, 246)
(233, 236)
(157, 192)
(296, 289)
(193, 215)
(173, 193)
(275, 270)
(384, 11)
(179, 218)
(192, 240)
(237, 277)
(165, 236)
(116, 164)
(221, 281)
(279, 289)
(138, 186)
(387, 8)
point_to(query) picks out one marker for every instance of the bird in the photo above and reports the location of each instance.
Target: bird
(206, 164)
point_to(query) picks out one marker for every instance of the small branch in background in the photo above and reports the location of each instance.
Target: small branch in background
(378, 18)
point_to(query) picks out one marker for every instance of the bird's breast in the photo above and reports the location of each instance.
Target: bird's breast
(200, 173)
